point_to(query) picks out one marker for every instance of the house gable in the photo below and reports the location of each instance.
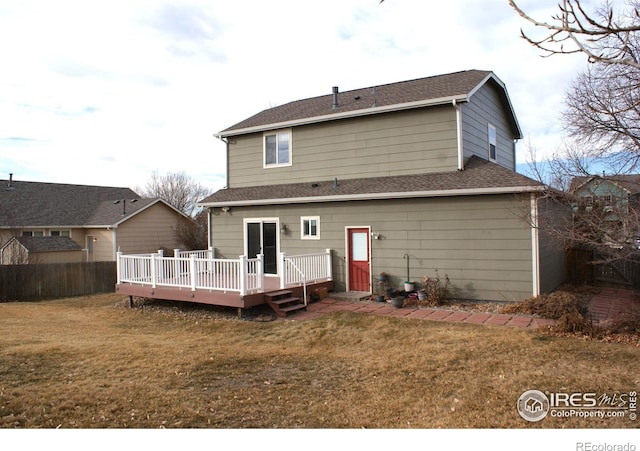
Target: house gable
(420, 126)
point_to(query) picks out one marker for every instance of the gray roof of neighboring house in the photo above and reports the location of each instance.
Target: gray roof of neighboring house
(479, 177)
(630, 182)
(36, 204)
(417, 93)
(47, 243)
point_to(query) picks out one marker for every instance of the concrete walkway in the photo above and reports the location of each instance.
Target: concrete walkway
(605, 305)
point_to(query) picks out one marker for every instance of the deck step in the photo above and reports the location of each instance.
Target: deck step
(283, 302)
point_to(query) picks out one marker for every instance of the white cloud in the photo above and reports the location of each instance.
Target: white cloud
(106, 93)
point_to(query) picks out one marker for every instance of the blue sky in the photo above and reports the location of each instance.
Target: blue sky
(105, 93)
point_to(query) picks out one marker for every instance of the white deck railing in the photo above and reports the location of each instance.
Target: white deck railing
(305, 268)
(242, 275)
(199, 270)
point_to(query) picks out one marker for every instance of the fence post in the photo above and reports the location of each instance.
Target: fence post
(329, 269)
(118, 267)
(243, 275)
(192, 271)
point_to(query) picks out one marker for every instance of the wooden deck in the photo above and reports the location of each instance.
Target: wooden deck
(216, 297)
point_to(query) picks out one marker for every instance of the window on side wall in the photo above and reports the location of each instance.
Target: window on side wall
(493, 140)
(33, 233)
(277, 148)
(310, 227)
(60, 233)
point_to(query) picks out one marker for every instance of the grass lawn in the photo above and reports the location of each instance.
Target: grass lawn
(93, 363)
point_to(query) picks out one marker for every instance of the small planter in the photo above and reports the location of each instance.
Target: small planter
(382, 277)
(380, 298)
(422, 295)
(409, 286)
(397, 302)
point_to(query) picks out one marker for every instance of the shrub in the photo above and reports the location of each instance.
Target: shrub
(435, 289)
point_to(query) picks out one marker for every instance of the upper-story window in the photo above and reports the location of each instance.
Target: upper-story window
(277, 148)
(33, 233)
(60, 233)
(493, 140)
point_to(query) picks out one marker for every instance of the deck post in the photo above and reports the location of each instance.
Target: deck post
(192, 271)
(260, 272)
(153, 270)
(243, 275)
(283, 267)
(210, 257)
(329, 269)
(118, 267)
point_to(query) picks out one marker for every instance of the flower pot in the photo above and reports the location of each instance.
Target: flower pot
(422, 295)
(397, 302)
(408, 286)
(380, 298)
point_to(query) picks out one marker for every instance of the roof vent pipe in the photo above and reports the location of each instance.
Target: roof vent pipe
(11, 180)
(335, 97)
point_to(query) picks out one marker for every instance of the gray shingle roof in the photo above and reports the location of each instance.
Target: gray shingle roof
(48, 243)
(359, 101)
(479, 176)
(35, 204)
(630, 182)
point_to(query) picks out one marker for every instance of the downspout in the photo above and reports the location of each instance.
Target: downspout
(535, 246)
(459, 134)
(226, 185)
(209, 228)
(226, 142)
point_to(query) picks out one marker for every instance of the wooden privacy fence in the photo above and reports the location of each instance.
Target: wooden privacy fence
(35, 282)
(583, 268)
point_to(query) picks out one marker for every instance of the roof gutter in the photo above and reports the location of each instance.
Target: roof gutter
(376, 196)
(345, 114)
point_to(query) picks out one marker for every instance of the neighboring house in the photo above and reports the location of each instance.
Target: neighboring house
(609, 203)
(408, 178)
(22, 250)
(101, 220)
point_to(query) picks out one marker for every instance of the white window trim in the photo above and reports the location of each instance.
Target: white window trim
(489, 143)
(264, 148)
(309, 218)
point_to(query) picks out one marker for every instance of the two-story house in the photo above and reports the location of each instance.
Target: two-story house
(408, 178)
(55, 222)
(606, 209)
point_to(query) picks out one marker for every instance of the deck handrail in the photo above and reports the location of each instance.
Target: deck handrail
(303, 269)
(242, 275)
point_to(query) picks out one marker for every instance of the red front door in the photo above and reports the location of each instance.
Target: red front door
(359, 259)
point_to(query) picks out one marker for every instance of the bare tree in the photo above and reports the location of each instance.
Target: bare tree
(604, 35)
(177, 189)
(192, 232)
(602, 115)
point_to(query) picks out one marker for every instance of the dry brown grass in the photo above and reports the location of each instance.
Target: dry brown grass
(89, 363)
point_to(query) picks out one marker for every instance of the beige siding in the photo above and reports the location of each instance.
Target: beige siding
(407, 142)
(148, 231)
(483, 109)
(479, 241)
